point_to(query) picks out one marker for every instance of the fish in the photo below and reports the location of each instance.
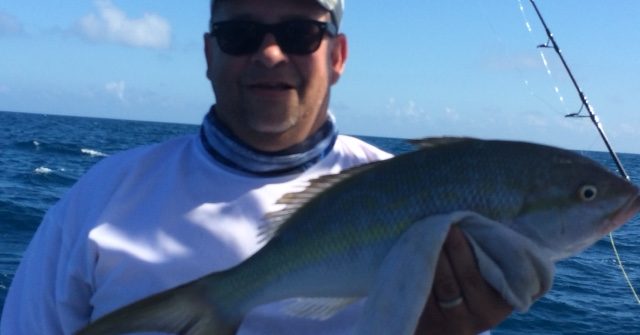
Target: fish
(334, 238)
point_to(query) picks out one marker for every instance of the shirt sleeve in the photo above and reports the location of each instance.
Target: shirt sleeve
(48, 294)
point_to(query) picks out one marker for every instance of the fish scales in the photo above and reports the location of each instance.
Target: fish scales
(349, 229)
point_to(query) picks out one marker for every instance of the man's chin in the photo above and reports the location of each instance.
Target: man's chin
(272, 125)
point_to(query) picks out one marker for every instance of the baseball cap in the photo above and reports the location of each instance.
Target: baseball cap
(336, 7)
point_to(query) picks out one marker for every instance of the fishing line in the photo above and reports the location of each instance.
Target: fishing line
(552, 44)
(547, 67)
(525, 60)
(543, 57)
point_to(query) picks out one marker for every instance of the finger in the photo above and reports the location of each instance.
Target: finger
(438, 319)
(445, 285)
(481, 299)
(433, 320)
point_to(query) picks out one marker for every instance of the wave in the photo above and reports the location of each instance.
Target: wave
(19, 215)
(43, 175)
(43, 170)
(93, 153)
(59, 148)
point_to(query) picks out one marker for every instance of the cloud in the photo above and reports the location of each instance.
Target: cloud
(408, 110)
(10, 25)
(116, 88)
(111, 24)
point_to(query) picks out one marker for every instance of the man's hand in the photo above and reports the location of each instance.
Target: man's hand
(461, 302)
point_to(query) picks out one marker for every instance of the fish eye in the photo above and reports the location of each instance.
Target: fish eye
(587, 192)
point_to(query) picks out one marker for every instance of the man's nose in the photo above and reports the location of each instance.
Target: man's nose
(270, 53)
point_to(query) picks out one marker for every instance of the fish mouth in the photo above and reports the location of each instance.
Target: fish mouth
(623, 214)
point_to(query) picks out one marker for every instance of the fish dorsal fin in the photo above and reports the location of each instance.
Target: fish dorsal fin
(433, 142)
(291, 202)
(321, 308)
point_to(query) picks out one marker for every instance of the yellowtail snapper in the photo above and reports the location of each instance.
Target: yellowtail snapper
(331, 240)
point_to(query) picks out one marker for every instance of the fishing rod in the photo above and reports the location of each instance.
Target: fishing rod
(596, 122)
(583, 97)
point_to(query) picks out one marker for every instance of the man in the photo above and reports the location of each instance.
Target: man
(155, 217)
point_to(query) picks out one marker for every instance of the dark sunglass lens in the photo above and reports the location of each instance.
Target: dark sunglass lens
(299, 36)
(239, 37)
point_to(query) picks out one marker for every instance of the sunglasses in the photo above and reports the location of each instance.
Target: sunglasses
(296, 37)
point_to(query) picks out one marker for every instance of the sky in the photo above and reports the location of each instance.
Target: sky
(416, 68)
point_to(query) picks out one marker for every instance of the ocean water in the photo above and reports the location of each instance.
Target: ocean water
(41, 156)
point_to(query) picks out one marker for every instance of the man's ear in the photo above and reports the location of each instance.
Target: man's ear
(339, 53)
(208, 54)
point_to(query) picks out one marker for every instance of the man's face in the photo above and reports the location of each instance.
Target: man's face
(271, 99)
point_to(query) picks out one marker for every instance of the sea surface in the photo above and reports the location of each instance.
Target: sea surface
(41, 156)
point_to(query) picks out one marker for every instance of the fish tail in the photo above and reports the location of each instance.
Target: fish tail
(184, 310)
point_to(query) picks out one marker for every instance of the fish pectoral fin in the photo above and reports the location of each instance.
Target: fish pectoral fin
(292, 202)
(404, 280)
(183, 310)
(318, 308)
